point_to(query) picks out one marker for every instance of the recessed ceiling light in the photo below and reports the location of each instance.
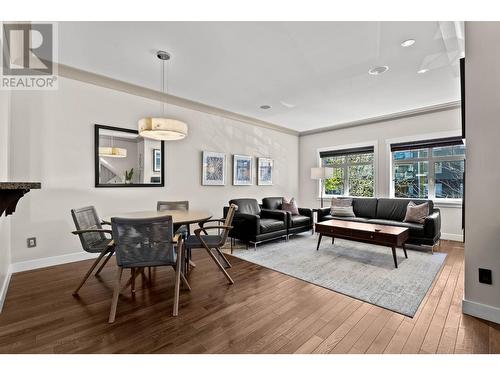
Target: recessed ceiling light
(422, 71)
(378, 70)
(288, 105)
(265, 106)
(408, 43)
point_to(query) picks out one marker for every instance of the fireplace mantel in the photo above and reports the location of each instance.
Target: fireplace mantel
(11, 192)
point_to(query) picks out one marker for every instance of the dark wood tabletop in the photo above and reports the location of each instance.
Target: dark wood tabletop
(377, 234)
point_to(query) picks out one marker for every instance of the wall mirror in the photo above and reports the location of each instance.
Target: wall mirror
(125, 159)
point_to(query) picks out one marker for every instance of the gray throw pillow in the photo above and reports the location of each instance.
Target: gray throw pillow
(416, 213)
(290, 206)
(342, 207)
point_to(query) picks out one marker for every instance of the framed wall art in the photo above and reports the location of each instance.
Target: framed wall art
(214, 168)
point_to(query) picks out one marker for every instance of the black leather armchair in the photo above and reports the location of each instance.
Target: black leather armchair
(253, 224)
(295, 223)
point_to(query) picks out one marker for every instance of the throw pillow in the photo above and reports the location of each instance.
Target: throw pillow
(290, 206)
(342, 207)
(416, 213)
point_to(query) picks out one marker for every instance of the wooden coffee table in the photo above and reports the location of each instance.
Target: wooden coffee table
(377, 234)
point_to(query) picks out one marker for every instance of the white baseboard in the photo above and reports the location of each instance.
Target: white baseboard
(4, 287)
(452, 237)
(479, 310)
(50, 261)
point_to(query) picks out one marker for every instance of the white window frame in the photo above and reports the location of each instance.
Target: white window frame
(373, 144)
(431, 187)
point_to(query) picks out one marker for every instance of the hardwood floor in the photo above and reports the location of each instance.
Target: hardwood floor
(263, 312)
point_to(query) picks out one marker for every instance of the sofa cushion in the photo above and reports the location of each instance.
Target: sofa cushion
(342, 211)
(272, 203)
(416, 230)
(416, 213)
(290, 206)
(395, 208)
(246, 205)
(300, 220)
(271, 225)
(365, 207)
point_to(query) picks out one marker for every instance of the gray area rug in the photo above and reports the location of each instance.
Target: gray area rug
(359, 270)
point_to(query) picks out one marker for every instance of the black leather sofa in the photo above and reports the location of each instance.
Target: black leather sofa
(253, 224)
(392, 212)
(295, 223)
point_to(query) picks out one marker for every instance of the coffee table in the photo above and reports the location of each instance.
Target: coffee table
(377, 234)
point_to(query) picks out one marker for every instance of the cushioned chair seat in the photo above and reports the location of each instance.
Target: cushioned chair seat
(300, 220)
(416, 230)
(271, 225)
(211, 240)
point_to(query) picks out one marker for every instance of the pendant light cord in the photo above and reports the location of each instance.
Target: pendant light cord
(163, 86)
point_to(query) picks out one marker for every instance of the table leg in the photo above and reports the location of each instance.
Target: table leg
(404, 249)
(319, 241)
(333, 240)
(394, 256)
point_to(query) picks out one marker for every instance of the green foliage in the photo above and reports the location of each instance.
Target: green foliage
(129, 174)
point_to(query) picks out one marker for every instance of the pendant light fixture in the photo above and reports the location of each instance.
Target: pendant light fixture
(162, 128)
(112, 151)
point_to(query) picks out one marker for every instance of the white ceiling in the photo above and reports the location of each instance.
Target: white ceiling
(319, 68)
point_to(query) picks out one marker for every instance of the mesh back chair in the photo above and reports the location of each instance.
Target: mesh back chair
(143, 243)
(209, 242)
(184, 230)
(93, 238)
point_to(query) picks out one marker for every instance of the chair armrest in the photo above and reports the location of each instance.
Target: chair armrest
(202, 223)
(323, 212)
(274, 214)
(247, 223)
(109, 231)
(432, 223)
(305, 211)
(199, 230)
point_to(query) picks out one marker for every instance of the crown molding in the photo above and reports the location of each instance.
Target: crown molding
(129, 88)
(388, 117)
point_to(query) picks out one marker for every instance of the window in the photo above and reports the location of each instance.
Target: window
(353, 172)
(429, 169)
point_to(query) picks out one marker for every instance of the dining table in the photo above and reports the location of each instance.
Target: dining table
(179, 217)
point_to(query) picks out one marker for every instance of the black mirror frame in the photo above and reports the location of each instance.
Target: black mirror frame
(97, 127)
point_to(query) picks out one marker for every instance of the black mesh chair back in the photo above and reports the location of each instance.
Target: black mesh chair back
(144, 242)
(92, 236)
(86, 218)
(172, 205)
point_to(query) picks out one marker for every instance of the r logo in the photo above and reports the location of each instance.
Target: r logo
(28, 49)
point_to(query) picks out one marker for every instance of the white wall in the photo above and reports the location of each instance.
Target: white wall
(443, 123)
(53, 142)
(4, 176)
(482, 225)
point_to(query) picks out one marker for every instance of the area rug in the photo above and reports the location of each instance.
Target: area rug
(362, 271)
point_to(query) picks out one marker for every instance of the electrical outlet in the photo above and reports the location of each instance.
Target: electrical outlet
(485, 276)
(31, 242)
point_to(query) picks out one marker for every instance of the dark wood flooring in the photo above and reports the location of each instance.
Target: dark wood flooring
(263, 312)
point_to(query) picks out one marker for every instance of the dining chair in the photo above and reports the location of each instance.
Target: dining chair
(92, 237)
(184, 230)
(141, 243)
(213, 241)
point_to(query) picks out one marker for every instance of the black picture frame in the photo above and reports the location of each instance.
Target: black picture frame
(157, 168)
(97, 184)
